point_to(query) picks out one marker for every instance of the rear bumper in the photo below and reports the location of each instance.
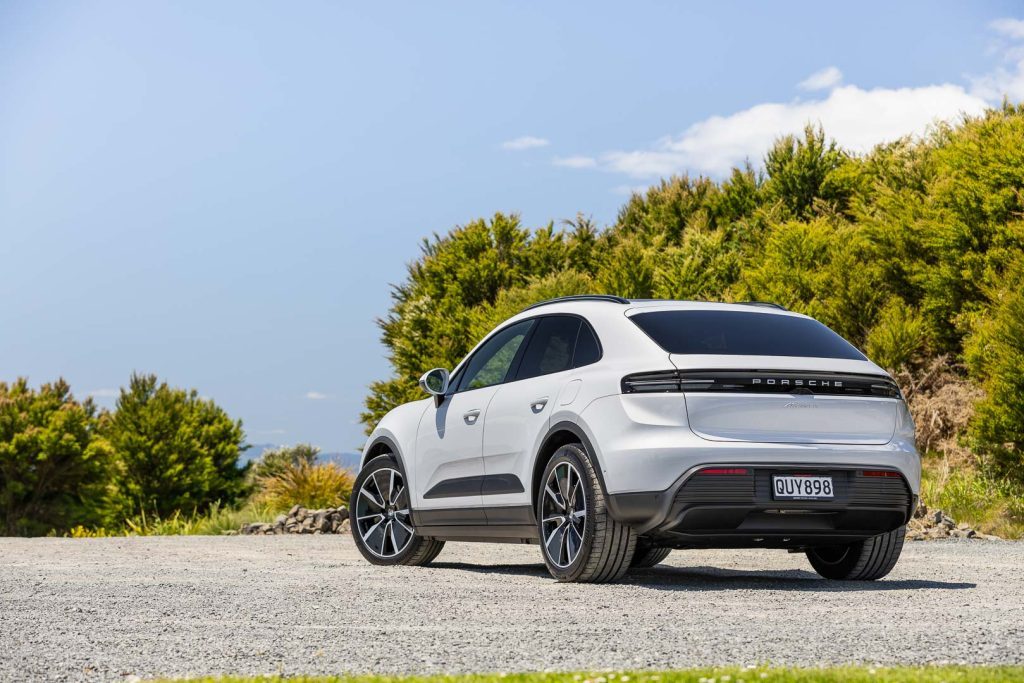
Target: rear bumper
(739, 510)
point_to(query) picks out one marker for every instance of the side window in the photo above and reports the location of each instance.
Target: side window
(587, 349)
(490, 364)
(551, 347)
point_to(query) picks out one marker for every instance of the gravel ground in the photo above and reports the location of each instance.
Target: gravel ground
(112, 608)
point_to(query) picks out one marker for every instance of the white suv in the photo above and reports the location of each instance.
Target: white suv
(611, 431)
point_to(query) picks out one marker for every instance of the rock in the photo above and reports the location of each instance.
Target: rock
(300, 520)
(935, 524)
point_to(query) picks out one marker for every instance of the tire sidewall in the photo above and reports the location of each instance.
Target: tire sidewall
(386, 461)
(574, 455)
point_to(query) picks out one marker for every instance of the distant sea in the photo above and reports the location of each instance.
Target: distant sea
(349, 461)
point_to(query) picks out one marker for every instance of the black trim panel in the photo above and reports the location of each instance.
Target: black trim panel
(485, 485)
(448, 517)
(507, 533)
(510, 514)
(497, 484)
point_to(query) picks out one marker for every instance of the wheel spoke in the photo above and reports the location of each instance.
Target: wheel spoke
(369, 532)
(554, 518)
(373, 498)
(563, 484)
(372, 515)
(406, 527)
(396, 494)
(391, 535)
(380, 490)
(384, 538)
(554, 544)
(573, 542)
(554, 496)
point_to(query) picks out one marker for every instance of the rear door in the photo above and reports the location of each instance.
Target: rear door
(520, 413)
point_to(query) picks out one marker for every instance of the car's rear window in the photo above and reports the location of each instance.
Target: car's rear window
(743, 333)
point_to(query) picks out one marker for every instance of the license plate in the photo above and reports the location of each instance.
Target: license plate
(802, 488)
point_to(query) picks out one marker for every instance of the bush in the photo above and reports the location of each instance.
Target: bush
(996, 352)
(52, 469)
(898, 338)
(990, 505)
(173, 451)
(276, 461)
(308, 485)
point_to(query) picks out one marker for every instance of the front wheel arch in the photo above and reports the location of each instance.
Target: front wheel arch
(383, 445)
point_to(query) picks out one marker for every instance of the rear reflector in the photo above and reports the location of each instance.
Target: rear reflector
(723, 470)
(880, 473)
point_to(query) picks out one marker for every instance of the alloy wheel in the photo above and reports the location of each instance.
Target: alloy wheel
(382, 513)
(564, 515)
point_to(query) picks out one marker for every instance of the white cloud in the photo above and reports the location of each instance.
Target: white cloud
(317, 396)
(575, 162)
(524, 142)
(1009, 27)
(825, 79)
(857, 118)
(104, 393)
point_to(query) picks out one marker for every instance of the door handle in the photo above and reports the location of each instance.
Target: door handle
(538, 405)
(471, 417)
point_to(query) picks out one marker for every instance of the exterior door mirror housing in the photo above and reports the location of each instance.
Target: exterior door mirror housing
(435, 383)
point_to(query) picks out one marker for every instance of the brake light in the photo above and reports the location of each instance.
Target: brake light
(880, 473)
(723, 470)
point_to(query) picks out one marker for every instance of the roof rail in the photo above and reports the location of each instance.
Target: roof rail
(766, 304)
(580, 297)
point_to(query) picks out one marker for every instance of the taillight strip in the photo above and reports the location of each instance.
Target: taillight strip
(761, 382)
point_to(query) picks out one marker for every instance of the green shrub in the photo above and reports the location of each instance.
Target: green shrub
(275, 461)
(990, 505)
(173, 451)
(312, 486)
(52, 468)
(996, 353)
(898, 338)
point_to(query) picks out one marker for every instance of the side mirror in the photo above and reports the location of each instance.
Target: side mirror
(435, 383)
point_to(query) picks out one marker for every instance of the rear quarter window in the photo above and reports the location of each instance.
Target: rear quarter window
(743, 333)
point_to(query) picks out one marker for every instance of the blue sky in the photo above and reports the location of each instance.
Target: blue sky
(221, 193)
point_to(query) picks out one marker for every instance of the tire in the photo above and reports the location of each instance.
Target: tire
(580, 542)
(647, 556)
(379, 517)
(861, 561)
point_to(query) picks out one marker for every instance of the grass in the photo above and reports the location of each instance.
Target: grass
(212, 523)
(990, 506)
(928, 674)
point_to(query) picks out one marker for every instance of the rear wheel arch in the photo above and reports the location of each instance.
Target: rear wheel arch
(557, 436)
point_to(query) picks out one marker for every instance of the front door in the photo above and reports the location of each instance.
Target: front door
(449, 463)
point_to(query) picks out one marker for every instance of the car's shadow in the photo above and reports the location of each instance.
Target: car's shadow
(714, 578)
